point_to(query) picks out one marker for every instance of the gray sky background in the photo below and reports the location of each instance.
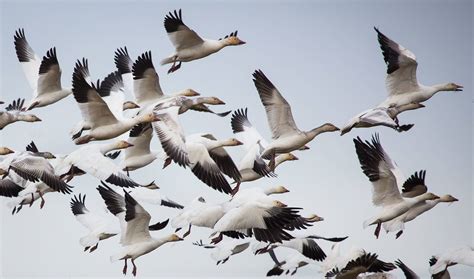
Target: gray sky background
(325, 59)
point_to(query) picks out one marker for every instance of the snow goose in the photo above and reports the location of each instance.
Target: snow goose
(401, 82)
(306, 246)
(409, 274)
(90, 159)
(99, 227)
(136, 239)
(463, 255)
(381, 116)
(5, 150)
(8, 188)
(289, 265)
(15, 112)
(111, 91)
(188, 44)
(379, 168)
(44, 77)
(252, 166)
(285, 134)
(414, 186)
(367, 262)
(104, 125)
(225, 249)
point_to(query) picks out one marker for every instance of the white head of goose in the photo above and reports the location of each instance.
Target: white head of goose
(5, 150)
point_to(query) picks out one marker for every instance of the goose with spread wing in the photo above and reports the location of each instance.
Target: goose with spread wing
(135, 232)
(95, 111)
(15, 112)
(286, 137)
(462, 255)
(401, 81)
(382, 171)
(366, 263)
(44, 76)
(412, 187)
(188, 44)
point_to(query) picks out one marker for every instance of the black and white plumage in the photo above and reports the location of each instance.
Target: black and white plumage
(289, 265)
(9, 189)
(366, 263)
(409, 274)
(44, 76)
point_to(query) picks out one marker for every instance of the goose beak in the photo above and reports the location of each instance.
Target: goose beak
(242, 42)
(458, 87)
(3, 172)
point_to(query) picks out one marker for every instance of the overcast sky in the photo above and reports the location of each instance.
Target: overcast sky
(325, 59)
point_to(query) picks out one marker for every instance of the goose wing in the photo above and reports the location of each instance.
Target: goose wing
(415, 185)
(93, 108)
(124, 65)
(111, 92)
(9, 188)
(49, 73)
(116, 205)
(138, 220)
(279, 116)
(180, 35)
(88, 219)
(401, 66)
(30, 63)
(146, 83)
(140, 136)
(223, 160)
(376, 165)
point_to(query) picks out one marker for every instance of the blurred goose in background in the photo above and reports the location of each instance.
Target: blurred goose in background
(15, 112)
(135, 221)
(380, 169)
(414, 186)
(381, 116)
(94, 110)
(43, 76)
(111, 92)
(90, 159)
(444, 274)
(252, 166)
(366, 263)
(225, 249)
(463, 255)
(289, 265)
(188, 44)
(99, 227)
(149, 194)
(286, 137)
(401, 82)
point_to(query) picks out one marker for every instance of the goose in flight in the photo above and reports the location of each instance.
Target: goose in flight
(382, 171)
(135, 232)
(44, 76)
(95, 111)
(286, 137)
(5, 151)
(225, 249)
(463, 255)
(401, 82)
(409, 274)
(188, 44)
(414, 186)
(15, 112)
(381, 116)
(289, 265)
(367, 262)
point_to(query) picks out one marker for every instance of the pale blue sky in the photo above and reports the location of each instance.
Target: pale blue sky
(324, 58)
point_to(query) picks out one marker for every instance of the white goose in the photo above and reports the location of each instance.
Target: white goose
(111, 91)
(366, 263)
(43, 76)
(252, 166)
(15, 112)
(401, 82)
(188, 44)
(414, 186)
(104, 125)
(99, 227)
(285, 134)
(90, 159)
(381, 116)
(463, 255)
(135, 232)
(5, 150)
(225, 249)
(289, 265)
(380, 169)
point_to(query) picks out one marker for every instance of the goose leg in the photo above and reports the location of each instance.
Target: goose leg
(272, 165)
(94, 248)
(377, 230)
(236, 189)
(128, 173)
(173, 67)
(42, 200)
(167, 162)
(188, 232)
(32, 199)
(124, 270)
(86, 248)
(398, 234)
(19, 208)
(13, 211)
(217, 239)
(134, 271)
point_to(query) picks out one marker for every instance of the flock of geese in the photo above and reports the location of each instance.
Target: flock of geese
(247, 217)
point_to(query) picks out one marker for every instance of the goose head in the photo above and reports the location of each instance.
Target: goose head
(278, 204)
(451, 86)
(289, 157)
(213, 101)
(233, 142)
(46, 155)
(5, 151)
(122, 144)
(30, 118)
(233, 40)
(276, 190)
(448, 198)
(152, 186)
(314, 218)
(189, 93)
(129, 105)
(174, 237)
(149, 117)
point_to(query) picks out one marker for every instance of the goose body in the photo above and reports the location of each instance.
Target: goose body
(188, 44)
(14, 113)
(380, 169)
(401, 81)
